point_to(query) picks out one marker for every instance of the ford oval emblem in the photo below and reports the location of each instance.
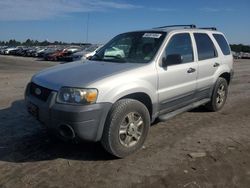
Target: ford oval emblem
(38, 91)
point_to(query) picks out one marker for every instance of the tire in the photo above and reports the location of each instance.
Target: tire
(219, 95)
(126, 128)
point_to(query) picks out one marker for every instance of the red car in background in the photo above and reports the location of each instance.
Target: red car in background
(57, 55)
(63, 54)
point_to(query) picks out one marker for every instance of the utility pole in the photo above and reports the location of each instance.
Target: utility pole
(87, 28)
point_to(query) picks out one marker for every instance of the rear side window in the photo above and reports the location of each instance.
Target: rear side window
(181, 44)
(222, 43)
(205, 46)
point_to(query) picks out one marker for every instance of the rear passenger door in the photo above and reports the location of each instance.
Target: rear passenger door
(208, 63)
(177, 82)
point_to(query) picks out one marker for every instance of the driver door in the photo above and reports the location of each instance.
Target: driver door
(177, 81)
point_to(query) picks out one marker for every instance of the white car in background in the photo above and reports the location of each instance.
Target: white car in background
(8, 50)
(114, 52)
(73, 49)
(90, 51)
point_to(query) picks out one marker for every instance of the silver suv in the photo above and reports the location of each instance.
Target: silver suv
(135, 78)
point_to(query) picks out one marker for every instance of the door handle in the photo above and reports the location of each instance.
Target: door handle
(216, 65)
(190, 70)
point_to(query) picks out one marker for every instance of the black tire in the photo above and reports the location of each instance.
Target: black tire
(214, 105)
(112, 136)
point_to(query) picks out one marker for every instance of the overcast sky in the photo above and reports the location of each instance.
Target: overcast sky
(66, 20)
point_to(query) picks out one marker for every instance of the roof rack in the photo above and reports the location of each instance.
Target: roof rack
(210, 28)
(167, 26)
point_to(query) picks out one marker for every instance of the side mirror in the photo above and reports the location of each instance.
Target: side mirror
(172, 59)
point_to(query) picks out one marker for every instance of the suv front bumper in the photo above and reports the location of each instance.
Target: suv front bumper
(86, 121)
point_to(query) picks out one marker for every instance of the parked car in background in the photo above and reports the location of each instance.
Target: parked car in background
(47, 53)
(245, 55)
(39, 50)
(57, 55)
(69, 54)
(40, 53)
(236, 55)
(24, 52)
(91, 50)
(7, 51)
(78, 55)
(20, 51)
(114, 52)
(73, 49)
(2, 49)
(51, 53)
(31, 52)
(14, 50)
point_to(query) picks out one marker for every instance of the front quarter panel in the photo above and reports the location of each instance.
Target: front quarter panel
(142, 79)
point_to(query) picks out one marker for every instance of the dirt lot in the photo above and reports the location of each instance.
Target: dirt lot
(29, 158)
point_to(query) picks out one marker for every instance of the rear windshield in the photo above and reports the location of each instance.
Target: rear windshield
(222, 43)
(133, 47)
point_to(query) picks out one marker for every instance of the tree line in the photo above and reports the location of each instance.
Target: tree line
(30, 42)
(240, 48)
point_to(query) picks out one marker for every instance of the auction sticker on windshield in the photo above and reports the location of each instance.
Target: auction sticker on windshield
(152, 35)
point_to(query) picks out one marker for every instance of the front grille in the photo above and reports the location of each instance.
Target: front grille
(39, 92)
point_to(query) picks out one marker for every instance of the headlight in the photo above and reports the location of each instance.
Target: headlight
(77, 95)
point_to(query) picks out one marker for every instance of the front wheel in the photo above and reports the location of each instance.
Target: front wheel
(126, 128)
(219, 95)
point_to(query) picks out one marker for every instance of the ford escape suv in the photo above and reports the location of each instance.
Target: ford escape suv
(132, 80)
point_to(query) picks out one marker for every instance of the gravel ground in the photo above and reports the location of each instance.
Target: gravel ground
(29, 158)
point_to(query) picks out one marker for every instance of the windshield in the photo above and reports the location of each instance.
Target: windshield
(133, 47)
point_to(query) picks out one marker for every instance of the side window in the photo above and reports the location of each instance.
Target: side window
(205, 46)
(222, 43)
(180, 44)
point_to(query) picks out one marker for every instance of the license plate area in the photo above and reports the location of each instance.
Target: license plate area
(33, 110)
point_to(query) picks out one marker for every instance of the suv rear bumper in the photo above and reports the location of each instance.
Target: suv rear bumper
(70, 121)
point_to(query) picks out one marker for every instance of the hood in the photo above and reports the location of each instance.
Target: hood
(79, 74)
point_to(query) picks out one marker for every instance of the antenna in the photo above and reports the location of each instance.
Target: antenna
(87, 28)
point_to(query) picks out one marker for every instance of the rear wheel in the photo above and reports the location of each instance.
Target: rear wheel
(219, 95)
(126, 128)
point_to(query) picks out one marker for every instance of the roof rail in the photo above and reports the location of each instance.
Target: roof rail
(167, 26)
(210, 28)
